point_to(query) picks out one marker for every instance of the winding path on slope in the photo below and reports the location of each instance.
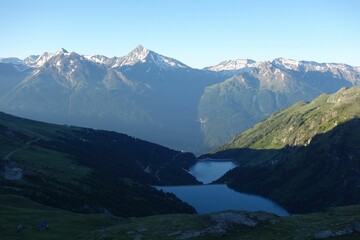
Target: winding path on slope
(26, 145)
(13, 172)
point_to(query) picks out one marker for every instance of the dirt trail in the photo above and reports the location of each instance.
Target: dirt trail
(26, 145)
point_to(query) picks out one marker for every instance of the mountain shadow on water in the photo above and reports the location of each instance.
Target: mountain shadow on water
(323, 174)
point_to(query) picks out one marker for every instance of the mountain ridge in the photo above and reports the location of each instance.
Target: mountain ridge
(160, 99)
(142, 52)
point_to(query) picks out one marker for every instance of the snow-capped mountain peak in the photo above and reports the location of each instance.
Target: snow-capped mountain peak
(139, 52)
(137, 55)
(142, 55)
(61, 51)
(231, 65)
(39, 61)
(31, 59)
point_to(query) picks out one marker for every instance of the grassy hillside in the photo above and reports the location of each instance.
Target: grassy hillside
(298, 124)
(20, 219)
(337, 223)
(89, 171)
(306, 157)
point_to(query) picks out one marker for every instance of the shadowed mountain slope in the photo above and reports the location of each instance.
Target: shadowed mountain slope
(86, 170)
(306, 157)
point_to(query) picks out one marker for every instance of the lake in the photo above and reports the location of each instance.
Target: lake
(218, 197)
(210, 170)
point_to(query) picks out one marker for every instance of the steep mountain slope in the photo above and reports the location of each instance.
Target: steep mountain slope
(305, 157)
(173, 96)
(143, 94)
(160, 99)
(10, 77)
(87, 170)
(258, 89)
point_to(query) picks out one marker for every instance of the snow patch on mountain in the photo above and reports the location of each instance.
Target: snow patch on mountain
(165, 62)
(337, 69)
(42, 59)
(39, 61)
(230, 65)
(31, 59)
(142, 55)
(284, 63)
(12, 60)
(137, 55)
(16, 62)
(61, 51)
(99, 59)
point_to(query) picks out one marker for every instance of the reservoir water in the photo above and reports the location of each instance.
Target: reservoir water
(218, 197)
(215, 198)
(208, 171)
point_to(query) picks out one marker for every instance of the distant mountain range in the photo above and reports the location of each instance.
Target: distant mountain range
(305, 157)
(160, 99)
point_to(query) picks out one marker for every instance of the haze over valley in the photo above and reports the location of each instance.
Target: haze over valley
(179, 119)
(160, 99)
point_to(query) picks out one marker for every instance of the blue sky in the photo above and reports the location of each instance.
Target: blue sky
(197, 32)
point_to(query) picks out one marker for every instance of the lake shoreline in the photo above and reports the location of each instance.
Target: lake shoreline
(215, 160)
(211, 198)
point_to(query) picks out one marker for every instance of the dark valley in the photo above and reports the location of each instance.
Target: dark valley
(89, 171)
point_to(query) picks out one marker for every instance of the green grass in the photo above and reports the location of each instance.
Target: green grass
(50, 162)
(305, 157)
(33, 129)
(81, 169)
(298, 124)
(19, 217)
(153, 228)
(269, 226)
(7, 148)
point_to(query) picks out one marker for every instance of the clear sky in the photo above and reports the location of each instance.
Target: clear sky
(197, 32)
